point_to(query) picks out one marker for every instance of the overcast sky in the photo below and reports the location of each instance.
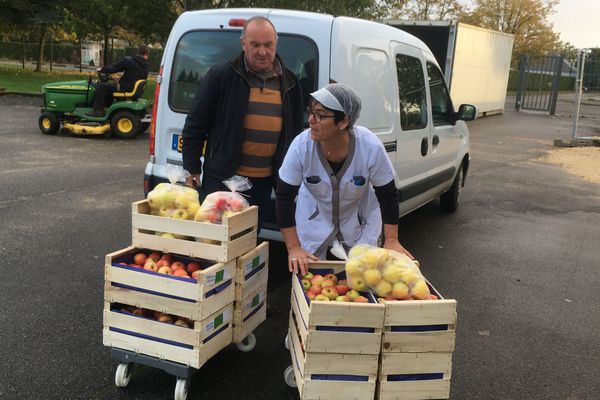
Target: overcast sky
(578, 22)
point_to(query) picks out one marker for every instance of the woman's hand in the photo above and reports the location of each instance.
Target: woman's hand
(298, 259)
(394, 244)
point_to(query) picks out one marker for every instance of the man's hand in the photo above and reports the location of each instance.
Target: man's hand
(193, 180)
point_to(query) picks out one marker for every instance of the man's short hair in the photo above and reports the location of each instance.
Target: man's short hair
(261, 19)
(143, 50)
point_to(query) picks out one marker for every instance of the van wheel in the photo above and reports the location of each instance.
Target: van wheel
(125, 124)
(48, 123)
(449, 200)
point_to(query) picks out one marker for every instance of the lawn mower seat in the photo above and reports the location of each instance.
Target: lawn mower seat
(136, 93)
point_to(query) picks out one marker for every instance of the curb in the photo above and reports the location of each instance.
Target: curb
(2, 93)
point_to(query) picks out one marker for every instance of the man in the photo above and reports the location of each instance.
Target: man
(133, 68)
(247, 111)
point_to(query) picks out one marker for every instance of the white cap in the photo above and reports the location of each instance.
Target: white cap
(339, 97)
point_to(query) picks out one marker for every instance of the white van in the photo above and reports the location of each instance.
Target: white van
(405, 100)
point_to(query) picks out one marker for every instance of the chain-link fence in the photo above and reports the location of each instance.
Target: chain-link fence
(69, 55)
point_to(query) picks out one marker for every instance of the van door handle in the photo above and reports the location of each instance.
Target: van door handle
(436, 140)
(424, 146)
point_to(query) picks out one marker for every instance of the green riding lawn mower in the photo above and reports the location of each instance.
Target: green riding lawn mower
(68, 103)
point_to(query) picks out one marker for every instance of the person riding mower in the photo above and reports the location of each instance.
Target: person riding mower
(69, 103)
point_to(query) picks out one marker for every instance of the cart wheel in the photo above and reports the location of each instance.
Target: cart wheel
(287, 341)
(247, 344)
(123, 374)
(181, 389)
(289, 377)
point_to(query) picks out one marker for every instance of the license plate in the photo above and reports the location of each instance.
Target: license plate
(177, 142)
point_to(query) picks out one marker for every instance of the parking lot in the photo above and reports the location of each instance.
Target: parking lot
(520, 256)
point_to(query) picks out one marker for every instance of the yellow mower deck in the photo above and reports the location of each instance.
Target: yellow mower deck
(87, 129)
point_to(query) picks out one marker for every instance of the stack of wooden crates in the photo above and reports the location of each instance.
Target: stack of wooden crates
(387, 350)
(215, 302)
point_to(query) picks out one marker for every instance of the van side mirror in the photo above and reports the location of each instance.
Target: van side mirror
(466, 112)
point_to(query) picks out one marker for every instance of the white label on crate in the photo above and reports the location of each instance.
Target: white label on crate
(217, 322)
(219, 276)
(251, 265)
(253, 302)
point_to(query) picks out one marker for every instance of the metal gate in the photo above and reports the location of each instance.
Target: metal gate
(538, 83)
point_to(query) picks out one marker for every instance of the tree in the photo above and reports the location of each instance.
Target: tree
(152, 19)
(424, 9)
(526, 19)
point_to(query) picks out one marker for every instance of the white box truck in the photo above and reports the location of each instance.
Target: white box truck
(405, 100)
(475, 61)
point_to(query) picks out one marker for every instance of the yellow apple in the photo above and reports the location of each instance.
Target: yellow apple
(409, 276)
(383, 288)
(391, 273)
(358, 283)
(167, 199)
(369, 260)
(400, 290)
(420, 290)
(358, 250)
(201, 215)
(180, 213)
(192, 209)
(372, 277)
(354, 267)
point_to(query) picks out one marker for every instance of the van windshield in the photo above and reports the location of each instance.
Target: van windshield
(198, 51)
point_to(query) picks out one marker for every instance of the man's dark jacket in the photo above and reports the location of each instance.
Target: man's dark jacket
(217, 115)
(133, 68)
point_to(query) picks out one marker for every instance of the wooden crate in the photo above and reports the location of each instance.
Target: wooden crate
(235, 236)
(252, 271)
(195, 299)
(249, 313)
(334, 346)
(189, 346)
(418, 340)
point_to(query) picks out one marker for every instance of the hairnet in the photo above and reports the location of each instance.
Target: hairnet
(339, 97)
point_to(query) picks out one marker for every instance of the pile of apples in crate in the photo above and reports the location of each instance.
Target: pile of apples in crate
(155, 315)
(385, 273)
(164, 264)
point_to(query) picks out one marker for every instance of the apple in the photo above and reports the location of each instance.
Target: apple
(353, 267)
(236, 204)
(181, 272)
(327, 283)
(165, 270)
(321, 297)
(168, 257)
(140, 258)
(178, 265)
(358, 250)
(420, 290)
(342, 282)
(331, 277)
(308, 276)
(196, 274)
(150, 265)
(342, 298)
(369, 260)
(164, 212)
(155, 256)
(409, 276)
(163, 263)
(311, 295)
(180, 213)
(399, 290)
(358, 283)
(165, 318)
(342, 289)
(306, 284)
(353, 294)
(316, 289)
(183, 323)
(383, 288)
(168, 235)
(139, 311)
(361, 299)
(330, 292)
(182, 201)
(192, 266)
(192, 209)
(372, 277)
(317, 280)
(392, 273)
(201, 215)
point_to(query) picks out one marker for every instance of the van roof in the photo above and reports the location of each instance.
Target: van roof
(226, 14)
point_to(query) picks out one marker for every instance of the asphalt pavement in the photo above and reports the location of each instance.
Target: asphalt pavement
(520, 256)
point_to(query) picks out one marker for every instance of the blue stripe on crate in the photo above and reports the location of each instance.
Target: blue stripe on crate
(215, 333)
(420, 328)
(153, 338)
(217, 289)
(255, 271)
(415, 377)
(355, 329)
(332, 377)
(254, 312)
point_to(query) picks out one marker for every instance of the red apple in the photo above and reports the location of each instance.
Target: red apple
(311, 295)
(177, 265)
(155, 256)
(330, 292)
(181, 272)
(140, 258)
(163, 263)
(192, 266)
(167, 257)
(317, 280)
(342, 289)
(196, 274)
(316, 289)
(332, 277)
(327, 283)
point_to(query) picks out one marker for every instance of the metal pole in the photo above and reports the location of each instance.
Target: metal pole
(578, 88)
(51, 56)
(23, 50)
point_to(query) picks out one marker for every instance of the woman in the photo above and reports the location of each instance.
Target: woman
(341, 175)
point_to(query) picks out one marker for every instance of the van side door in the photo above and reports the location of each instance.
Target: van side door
(413, 137)
(447, 136)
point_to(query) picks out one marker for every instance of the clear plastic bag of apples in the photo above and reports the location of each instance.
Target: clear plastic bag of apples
(386, 273)
(172, 200)
(222, 204)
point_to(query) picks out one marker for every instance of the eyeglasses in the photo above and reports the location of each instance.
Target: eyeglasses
(318, 117)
